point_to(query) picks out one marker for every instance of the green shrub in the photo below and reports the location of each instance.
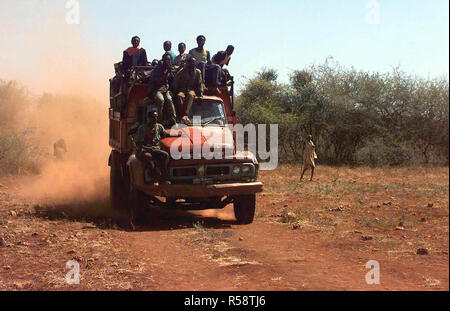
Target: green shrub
(355, 117)
(378, 153)
(18, 154)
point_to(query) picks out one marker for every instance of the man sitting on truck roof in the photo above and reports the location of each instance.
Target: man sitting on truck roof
(181, 58)
(211, 73)
(134, 56)
(223, 58)
(168, 50)
(160, 79)
(187, 84)
(147, 143)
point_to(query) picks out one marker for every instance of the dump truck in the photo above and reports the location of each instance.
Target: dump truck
(196, 182)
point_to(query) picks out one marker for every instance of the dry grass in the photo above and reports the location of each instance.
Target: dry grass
(400, 209)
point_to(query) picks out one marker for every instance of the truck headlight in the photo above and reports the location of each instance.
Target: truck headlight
(245, 169)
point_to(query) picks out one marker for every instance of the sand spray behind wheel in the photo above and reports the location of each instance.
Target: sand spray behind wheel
(68, 80)
(83, 174)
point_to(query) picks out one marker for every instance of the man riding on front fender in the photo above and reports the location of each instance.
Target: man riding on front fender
(148, 148)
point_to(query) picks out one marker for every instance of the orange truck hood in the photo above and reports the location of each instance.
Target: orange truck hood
(198, 138)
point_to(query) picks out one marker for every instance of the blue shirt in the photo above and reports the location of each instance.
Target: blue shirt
(172, 56)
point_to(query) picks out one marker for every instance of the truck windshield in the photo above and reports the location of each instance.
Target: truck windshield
(209, 112)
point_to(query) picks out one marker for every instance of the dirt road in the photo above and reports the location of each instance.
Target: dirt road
(306, 236)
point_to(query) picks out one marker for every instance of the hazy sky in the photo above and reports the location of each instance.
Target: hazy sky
(284, 35)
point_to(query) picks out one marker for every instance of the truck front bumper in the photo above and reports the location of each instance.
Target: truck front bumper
(202, 191)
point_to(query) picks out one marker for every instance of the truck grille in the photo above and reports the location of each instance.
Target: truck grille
(217, 170)
(220, 172)
(184, 172)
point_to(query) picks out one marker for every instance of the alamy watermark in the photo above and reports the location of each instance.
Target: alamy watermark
(373, 276)
(73, 12)
(227, 142)
(373, 17)
(73, 275)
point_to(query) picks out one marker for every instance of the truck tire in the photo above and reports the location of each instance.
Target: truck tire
(244, 208)
(117, 190)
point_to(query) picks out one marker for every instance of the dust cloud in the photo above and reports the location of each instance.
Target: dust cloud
(71, 104)
(83, 175)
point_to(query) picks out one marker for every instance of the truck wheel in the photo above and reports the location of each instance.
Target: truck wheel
(117, 190)
(244, 208)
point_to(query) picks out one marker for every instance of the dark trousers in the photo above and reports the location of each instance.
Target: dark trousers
(158, 156)
(211, 74)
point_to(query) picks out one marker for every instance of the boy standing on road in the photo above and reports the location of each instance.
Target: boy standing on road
(309, 156)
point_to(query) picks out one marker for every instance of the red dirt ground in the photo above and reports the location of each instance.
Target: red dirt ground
(306, 236)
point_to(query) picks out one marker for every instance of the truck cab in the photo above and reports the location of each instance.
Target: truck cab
(205, 170)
